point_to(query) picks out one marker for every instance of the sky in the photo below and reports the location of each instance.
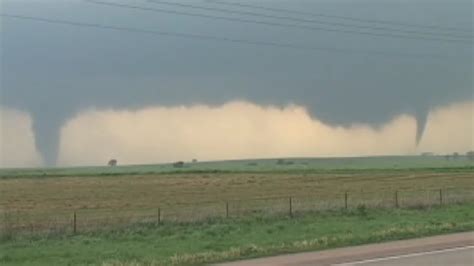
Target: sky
(76, 95)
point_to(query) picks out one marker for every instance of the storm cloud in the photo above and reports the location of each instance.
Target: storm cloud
(54, 72)
(239, 130)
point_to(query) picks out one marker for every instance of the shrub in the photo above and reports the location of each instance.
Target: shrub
(178, 164)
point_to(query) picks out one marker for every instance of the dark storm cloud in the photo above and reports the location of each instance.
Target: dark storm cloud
(55, 71)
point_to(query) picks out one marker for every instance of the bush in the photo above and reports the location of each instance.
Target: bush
(178, 164)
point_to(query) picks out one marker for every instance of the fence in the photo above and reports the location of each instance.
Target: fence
(87, 220)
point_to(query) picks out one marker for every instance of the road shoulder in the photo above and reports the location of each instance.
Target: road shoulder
(364, 252)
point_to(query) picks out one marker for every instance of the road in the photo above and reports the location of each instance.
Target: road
(452, 250)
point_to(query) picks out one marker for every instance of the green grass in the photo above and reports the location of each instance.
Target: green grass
(261, 165)
(43, 197)
(223, 240)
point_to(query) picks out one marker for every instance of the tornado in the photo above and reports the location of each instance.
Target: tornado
(421, 117)
(47, 127)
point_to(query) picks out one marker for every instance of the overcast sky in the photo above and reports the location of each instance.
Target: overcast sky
(53, 71)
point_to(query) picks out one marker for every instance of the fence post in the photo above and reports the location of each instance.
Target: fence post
(396, 199)
(291, 207)
(159, 216)
(74, 224)
(345, 200)
(440, 196)
(226, 209)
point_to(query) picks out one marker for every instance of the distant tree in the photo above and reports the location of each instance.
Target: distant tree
(194, 160)
(455, 155)
(112, 162)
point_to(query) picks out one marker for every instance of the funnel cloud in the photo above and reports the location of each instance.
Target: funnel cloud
(56, 72)
(17, 142)
(421, 120)
(239, 130)
(234, 130)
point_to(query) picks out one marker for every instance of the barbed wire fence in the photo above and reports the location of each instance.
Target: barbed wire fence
(92, 220)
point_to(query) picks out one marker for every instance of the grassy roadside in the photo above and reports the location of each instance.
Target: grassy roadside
(223, 240)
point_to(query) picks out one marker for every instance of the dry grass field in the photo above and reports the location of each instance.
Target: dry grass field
(38, 203)
(180, 218)
(144, 191)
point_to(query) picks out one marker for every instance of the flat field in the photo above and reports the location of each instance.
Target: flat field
(154, 190)
(38, 201)
(218, 211)
(261, 165)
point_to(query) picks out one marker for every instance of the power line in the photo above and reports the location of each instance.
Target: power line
(275, 23)
(299, 12)
(338, 24)
(223, 39)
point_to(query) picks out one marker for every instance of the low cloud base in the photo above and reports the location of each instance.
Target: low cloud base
(235, 130)
(244, 130)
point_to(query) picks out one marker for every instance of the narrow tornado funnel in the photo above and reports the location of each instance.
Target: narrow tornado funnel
(47, 127)
(421, 117)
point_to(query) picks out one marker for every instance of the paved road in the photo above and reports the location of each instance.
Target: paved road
(446, 257)
(449, 250)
